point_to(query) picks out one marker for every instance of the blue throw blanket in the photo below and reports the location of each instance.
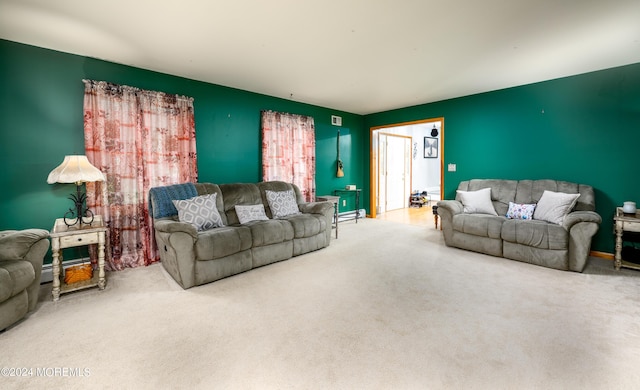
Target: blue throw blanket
(160, 198)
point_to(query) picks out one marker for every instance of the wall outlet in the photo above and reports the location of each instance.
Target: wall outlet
(344, 202)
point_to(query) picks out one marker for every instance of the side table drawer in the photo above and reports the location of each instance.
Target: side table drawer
(78, 239)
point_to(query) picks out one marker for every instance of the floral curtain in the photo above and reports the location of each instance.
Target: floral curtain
(139, 139)
(289, 151)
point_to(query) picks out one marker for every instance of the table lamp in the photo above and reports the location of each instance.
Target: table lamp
(76, 169)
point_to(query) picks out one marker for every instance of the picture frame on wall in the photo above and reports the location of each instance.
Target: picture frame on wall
(430, 147)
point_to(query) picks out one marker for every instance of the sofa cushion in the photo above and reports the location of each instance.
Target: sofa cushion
(554, 206)
(530, 191)
(239, 194)
(477, 202)
(502, 191)
(484, 225)
(538, 234)
(306, 225)
(223, 241)
(15, 276)
(200, 211)
(248, 213)
(271, 231)
(282, 203)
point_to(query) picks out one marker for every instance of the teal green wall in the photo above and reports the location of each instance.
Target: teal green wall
(583, 129)
(41, 121)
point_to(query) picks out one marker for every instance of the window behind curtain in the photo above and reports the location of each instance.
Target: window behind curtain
(139, 139)
(289, 151)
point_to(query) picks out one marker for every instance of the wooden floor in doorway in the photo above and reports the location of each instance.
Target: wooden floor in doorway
(422, 216)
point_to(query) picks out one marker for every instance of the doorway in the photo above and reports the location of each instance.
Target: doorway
(423, 170)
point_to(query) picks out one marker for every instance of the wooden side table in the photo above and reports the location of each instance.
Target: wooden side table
(336, 201)
(624, 223)
(63, 236)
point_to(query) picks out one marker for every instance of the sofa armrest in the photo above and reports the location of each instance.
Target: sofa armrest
(316, 207)
(453, 206)
(15, 244)
(581, 216)
(28, 245)
(171, 226)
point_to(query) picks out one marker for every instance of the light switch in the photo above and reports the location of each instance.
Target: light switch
(451, 167)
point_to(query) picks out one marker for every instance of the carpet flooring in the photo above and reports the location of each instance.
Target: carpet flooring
(386, 306)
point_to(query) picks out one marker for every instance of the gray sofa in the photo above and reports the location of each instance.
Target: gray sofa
(195, 257)
(21, 255)
(564, 245)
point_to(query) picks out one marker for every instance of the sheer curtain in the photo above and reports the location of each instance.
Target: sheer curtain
(289, 151)
(139, 139)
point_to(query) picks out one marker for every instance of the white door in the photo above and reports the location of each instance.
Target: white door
(382, 173)
(397, 172)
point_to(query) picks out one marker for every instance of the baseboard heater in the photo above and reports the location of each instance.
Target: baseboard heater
(349, 215)
(47, 269)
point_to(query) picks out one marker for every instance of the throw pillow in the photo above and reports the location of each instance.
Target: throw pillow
(250, 213)
(520, 211)
(477, 202)
(282, 203)
(199, 211)
(554, 206)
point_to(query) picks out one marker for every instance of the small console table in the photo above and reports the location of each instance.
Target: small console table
(357, 196)
(63, 236)
(625, 223)
(335, 200)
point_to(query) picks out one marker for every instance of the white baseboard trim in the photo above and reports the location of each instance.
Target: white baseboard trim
(47, 269)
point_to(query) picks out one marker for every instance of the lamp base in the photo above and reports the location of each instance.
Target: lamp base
(81, 213)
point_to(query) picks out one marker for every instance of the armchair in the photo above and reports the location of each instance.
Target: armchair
(21, 256)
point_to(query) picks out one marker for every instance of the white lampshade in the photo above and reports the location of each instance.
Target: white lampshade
(75, 169)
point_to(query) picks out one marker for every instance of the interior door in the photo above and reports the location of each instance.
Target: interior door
(397, 170)
(382, 173)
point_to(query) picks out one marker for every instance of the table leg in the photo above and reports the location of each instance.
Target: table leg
(357, 205)
(57, 259)
(618, 255)
(102, 282)
(335, 215)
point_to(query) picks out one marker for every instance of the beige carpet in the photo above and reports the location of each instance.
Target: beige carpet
(386, 306)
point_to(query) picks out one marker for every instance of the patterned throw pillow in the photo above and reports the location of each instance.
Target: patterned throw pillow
(282, 203)
(520, 211)
(200, 211)
(250, 213)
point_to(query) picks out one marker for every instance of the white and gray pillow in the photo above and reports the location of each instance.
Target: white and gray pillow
(477, 202)
(282, 203)
(199, 211)
(248, 213)
(554, 206)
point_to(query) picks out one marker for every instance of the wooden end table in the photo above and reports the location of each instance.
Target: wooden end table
(63, 236)
(624, 223)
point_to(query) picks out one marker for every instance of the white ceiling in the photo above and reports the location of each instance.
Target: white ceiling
(357, 56)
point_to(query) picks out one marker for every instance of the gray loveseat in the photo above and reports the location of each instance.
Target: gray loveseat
(21, 255)
(564, 245)
(195, 257)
